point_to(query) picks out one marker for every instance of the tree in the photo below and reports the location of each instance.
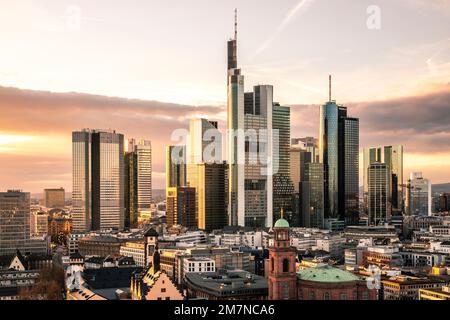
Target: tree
(49, 286)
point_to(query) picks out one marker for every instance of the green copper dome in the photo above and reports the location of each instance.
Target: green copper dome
(281, 223)
(326, 274)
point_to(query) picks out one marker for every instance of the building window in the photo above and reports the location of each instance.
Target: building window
(285, 265)
(312, 295)
(326, 296)
(163, 289)
(272, 262)
(343, 296)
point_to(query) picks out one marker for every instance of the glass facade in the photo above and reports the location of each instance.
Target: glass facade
(379, 207)
(14, 221)
(418, 195)
(328, 144)
(392, 156)
(98, 180)
(312, 199)
(283, 187)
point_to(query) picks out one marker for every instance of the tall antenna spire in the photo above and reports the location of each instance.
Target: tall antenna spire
(235, 24)
(329, 89)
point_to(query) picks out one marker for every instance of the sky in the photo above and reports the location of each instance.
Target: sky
(145, 67)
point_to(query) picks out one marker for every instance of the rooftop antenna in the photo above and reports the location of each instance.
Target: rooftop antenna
(235, 24)
(329, 88)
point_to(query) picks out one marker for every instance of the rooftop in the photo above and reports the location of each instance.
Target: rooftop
(326, 274)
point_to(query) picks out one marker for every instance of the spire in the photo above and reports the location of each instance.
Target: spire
(329, 88)
(235, 24)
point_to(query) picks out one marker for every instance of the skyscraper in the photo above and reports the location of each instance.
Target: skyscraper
(258, 182)
(235, 122)
(98, 180)
(418, 195)
(392, 156)
(206, 173)
(311, 196)
(138, 180)
(379, 207)
(339, 150)
(175, 168)
(250, 190)
(283, 188)
(14, 221)
(180, 207)
(205, 141)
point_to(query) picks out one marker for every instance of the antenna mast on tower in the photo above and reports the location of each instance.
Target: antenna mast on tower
(329, 88)
(235, 24)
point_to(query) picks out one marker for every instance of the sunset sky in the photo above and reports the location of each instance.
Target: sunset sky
(144, 67)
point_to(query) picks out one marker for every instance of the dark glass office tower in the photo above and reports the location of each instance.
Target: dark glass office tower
(283, 188)
(339, 152)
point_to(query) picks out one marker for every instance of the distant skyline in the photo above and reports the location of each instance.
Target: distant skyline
(172, 55)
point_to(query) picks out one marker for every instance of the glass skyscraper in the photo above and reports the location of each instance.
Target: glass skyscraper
(138, 180)
(418, 195)
(98, 180)
(339, 152)
(379, 207)
(250, 191)
(283, 188)
(392, 156)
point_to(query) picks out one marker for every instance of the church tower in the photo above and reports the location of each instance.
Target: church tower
(150, 244)
(282, 273)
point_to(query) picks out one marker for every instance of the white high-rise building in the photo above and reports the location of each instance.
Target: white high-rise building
(250, 189)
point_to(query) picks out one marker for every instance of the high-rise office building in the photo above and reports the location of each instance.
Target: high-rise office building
(339, 152)
(258, 184)
(309, 144)
(54, 198)
(250, 190)
(418, 195)
(209, 181)
(138, 180)
(180, 207)
(311, 196)
(98, 180)
(14, 221)
(378, 182)
(205, 141)
(392, 156)
(283, 188)
(175, 168)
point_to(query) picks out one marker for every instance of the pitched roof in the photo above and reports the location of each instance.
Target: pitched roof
(151, 233)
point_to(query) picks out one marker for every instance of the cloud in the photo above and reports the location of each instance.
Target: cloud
(421, 123)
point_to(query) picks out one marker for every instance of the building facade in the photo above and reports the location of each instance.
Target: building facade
(54, 198)
(98, 180)
(378, 181)
(418, 195)
(339, 152)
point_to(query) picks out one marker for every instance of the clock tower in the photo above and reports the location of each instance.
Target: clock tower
(282, 257)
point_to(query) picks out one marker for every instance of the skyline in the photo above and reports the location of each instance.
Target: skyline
(414, 114)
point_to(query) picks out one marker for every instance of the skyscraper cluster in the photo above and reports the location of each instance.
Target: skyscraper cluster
(110, 186)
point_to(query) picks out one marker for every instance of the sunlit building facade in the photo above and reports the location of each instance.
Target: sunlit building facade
(418, 195)
(98, 180)
(378, 179)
